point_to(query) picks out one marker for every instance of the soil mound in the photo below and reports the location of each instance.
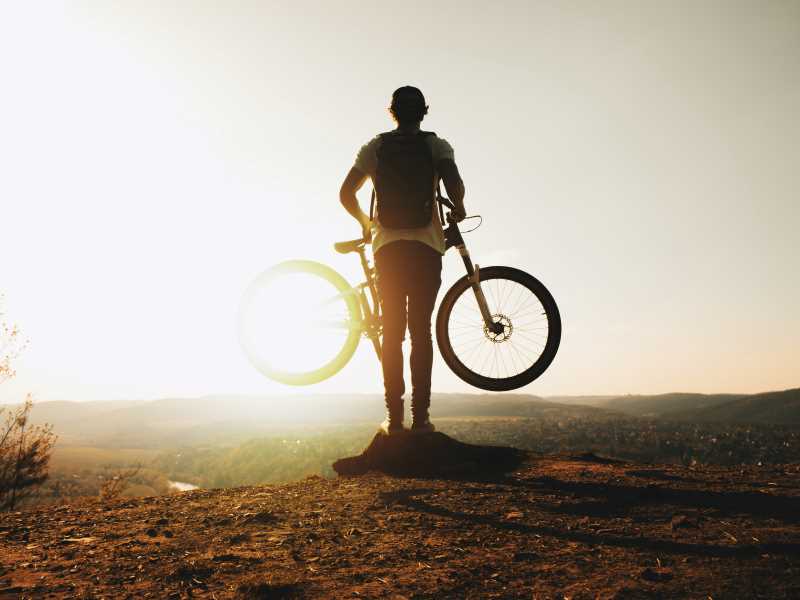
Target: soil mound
(430, 455)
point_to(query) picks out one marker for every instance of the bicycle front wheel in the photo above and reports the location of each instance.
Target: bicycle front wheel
(503, 358)
(299, 322)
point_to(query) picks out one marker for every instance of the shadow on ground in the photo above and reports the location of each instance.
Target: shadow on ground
(412, 500)
(613, 500)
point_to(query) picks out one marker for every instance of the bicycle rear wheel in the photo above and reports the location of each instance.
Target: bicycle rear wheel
(506, 360)
(299, 322)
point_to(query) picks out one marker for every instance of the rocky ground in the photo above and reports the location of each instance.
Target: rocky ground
(550, 527)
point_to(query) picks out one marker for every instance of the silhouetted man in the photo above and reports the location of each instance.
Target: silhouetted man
(405, 166)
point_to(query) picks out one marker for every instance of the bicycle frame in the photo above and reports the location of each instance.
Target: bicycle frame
(371, 323)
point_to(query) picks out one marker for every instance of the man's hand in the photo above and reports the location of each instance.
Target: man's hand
(456, 215)
(366, 227)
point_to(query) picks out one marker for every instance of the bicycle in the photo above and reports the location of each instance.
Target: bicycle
(500, 337)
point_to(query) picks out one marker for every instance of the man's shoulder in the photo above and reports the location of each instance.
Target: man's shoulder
(395, 132)
(441, 147)
(374, 140)
(380, 137)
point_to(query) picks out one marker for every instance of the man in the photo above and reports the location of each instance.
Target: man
(405, 166)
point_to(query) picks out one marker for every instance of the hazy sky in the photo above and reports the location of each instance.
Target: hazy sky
(640, 158)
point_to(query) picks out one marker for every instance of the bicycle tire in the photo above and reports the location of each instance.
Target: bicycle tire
(524, 377)
(348, 297)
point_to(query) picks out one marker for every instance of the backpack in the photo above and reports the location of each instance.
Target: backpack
(403, 187)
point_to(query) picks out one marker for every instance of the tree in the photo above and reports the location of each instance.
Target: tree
(24, 449)
(11, 344)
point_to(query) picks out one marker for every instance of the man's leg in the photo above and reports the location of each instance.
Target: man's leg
(421, 300)
(391, 281)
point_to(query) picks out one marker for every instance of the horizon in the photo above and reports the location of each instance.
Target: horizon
(473, 392)
(639, 160)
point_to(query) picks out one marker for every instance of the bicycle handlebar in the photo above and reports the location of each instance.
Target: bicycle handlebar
(357, 245)
(446, 202)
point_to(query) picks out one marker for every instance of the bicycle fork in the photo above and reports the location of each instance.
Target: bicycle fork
(474, 275)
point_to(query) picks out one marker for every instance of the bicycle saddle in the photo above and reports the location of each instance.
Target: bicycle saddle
(349, 246)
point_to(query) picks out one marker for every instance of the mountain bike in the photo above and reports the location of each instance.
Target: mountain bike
(498, 328)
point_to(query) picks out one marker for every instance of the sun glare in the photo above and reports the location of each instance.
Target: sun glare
(296, 325)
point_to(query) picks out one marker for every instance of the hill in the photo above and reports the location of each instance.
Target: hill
(228, 418)
(576, 527)
(770, 408)
(778, 408)
(666, 405)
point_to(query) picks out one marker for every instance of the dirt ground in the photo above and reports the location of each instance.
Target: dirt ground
(555, 527)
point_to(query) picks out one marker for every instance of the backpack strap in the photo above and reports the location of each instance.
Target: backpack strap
(438, 186)
(439, 200)
(372, 199)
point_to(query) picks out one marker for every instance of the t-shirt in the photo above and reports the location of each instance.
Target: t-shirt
(432, 234)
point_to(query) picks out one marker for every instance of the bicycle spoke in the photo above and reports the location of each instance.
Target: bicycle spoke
(514, 350)
(476, 350)
(502, 361)
(336, 299)
(523, 358)
(338, 324)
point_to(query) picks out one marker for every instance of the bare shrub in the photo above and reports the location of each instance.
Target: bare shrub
(24, 455)
(114, 487)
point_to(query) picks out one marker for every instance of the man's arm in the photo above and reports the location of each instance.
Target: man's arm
(347, 196)
(454, 185)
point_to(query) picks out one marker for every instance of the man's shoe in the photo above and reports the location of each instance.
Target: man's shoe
(422, 427)
(390, 427)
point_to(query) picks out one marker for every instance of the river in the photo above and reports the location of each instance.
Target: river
(182, 486)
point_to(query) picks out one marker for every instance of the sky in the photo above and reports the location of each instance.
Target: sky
(640, 158)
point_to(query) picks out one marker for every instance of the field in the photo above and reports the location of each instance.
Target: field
(290, 453)
(81, 471)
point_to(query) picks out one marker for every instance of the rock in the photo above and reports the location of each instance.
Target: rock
(270, 589)
(190, 570)
(658, 574)
(352, 465)
(525, 556)
(430, 455)
(591, 457)
(17, 589)
(264, 517)
(238, 538)
(683, 521)
(226, 558)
